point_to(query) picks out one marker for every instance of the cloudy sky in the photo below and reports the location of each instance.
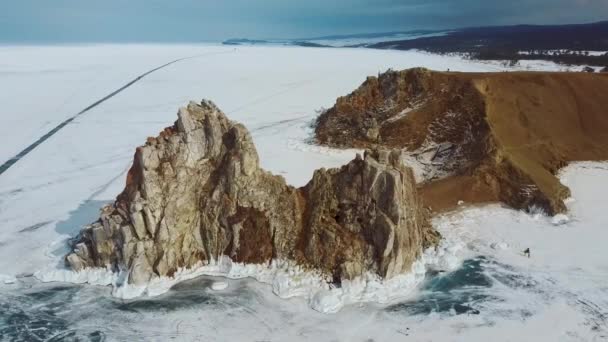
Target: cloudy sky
(203, 20)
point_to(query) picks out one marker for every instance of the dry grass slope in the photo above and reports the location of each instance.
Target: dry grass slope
(502, 136)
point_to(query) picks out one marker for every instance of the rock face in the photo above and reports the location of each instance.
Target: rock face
(196, 193)
(481, 137)
(364, 216)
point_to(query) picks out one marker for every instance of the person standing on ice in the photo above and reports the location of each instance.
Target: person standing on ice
(527, 252)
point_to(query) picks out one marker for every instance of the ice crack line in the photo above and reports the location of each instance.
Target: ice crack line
(6, 165)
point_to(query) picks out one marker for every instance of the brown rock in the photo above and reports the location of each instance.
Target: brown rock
(485, 136)
(197, 193)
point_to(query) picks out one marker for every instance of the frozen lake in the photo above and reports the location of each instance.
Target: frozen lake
(560, 294)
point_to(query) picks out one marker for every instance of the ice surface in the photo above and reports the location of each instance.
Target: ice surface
(287, 279)
(494, 293)
(65, 181)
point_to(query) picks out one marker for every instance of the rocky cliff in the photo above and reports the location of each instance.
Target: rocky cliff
(196, 193)
(479, 137)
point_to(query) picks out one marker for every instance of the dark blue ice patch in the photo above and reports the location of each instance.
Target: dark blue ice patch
(36, 316)
(455, 292)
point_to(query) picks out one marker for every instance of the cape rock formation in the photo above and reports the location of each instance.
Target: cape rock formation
(480, 137)
(196, 193)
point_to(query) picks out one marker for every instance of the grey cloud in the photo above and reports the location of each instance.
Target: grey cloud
(197, 20)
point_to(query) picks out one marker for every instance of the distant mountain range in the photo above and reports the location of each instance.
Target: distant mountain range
(569, 44)
(586, 37)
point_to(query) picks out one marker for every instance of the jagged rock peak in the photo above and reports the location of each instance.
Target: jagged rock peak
(196, 193)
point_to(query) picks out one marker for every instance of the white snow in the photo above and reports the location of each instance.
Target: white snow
(219, 286)
(7, 279)
(559, 294)
(560, 219)
(67, 179)
(503, 65)
(92, 276)
(499, 245)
